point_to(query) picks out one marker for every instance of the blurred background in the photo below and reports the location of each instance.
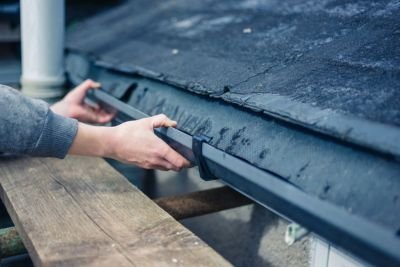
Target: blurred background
(10, 46)
(246, 236)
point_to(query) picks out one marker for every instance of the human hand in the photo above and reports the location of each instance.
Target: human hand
(73, 105)
(132, 142)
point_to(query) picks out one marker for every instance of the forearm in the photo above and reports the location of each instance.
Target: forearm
(92, 141)
(27, 126)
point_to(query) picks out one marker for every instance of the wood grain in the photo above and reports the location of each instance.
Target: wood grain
(81, 212)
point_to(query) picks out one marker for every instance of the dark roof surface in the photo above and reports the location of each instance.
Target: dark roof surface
(331, 66)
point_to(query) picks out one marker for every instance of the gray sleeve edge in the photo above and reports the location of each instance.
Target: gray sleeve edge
(56, 137)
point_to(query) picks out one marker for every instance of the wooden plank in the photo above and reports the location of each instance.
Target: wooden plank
(79, 211)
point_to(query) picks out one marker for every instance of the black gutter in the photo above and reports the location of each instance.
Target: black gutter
(365, 240)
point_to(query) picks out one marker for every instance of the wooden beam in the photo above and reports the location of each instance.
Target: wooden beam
(202, 202)
(79, 211)
(10, 243)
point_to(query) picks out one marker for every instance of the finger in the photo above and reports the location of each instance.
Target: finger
(87, 114)
(161, 168)
(175, 158)
(162, 120)
(96, 107)
(164, 165)
(103, 117)
(90, 114)
(87, 85)
(153, 167)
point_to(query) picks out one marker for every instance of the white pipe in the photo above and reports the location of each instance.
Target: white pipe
(42, 37)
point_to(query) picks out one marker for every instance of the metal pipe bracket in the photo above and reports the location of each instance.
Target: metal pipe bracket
(197, 148)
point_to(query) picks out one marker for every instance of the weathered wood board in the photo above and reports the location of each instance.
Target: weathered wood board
(81, 212)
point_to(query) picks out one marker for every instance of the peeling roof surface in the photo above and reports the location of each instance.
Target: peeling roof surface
(329, 66)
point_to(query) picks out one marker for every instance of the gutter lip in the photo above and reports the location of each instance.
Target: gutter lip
(347, 231)
(360, 132)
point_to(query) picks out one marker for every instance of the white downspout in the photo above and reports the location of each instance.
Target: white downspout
(42, 38)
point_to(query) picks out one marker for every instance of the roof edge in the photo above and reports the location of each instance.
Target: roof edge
(370, 135)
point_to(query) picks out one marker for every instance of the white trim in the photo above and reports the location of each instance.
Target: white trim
(319, 252)
(324, 254)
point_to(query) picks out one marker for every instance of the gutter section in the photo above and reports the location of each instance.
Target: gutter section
(341, 192)
(345, 230)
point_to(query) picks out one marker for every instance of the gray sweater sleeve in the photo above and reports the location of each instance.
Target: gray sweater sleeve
(29, 127)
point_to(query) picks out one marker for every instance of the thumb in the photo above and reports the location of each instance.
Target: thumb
(87, 85)
(78, 94)
(162, 121)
